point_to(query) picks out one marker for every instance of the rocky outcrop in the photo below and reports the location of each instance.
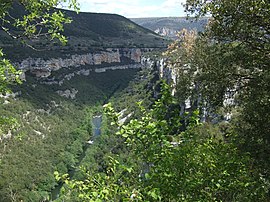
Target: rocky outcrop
(134, 54)
(164, 70)
(110, 56)
(43, 68)
(86, 72)
(131, 66)
(68, 93)
(165, 31)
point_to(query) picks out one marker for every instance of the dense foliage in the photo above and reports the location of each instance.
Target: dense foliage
(34, 19)
(225, 74)
(38, 145)
(187, 166)
(48, 132)
(161, 153)
(237, 62)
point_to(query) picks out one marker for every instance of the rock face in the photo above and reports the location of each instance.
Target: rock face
(110, 56)
(134, 54)
(165, 31)
(42, 68)
(86, 72)
(131, 66)
(164, 70)
(68, 93)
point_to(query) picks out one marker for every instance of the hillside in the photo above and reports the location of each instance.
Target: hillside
(169, 26)
(110, 30)
(87, 32)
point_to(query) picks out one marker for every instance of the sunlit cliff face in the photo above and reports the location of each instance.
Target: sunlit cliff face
(42, 68)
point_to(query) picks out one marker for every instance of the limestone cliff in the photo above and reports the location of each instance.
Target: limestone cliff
(166, 72)
(165, 31)
(111, 56)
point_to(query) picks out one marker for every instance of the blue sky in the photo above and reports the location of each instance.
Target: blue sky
(135, 8)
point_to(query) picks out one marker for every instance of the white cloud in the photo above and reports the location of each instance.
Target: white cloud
(173, 3)
(133, 8)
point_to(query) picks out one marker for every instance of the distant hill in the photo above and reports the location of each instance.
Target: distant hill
(88, 31)
(169, 26)
(110, 30)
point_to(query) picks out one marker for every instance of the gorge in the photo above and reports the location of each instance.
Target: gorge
(124, 112)
(62, 88)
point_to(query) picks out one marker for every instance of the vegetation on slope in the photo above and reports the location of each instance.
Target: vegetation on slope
(218, 160)
(51, 131)
(155, 161)
(87, 32)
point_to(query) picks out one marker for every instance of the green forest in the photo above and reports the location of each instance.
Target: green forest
(193, 124)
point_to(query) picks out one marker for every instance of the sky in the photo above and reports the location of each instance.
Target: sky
(135, 8)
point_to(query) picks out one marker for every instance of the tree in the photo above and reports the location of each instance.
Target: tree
(165, 164)
(26, 20)
(236, 48)
(35, 18)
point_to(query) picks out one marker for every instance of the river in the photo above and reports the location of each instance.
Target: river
(96, 123)
(97, 120)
